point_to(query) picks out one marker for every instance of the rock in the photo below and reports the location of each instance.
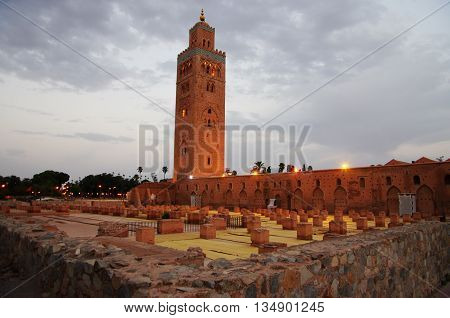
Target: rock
(166, 277)
(220, 263)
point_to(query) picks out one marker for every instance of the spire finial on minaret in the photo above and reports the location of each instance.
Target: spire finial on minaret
(202, 16)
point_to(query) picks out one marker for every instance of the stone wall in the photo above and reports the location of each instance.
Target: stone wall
(407, 261)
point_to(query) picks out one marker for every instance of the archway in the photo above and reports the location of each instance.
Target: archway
(278, 201)
(229, 198)
(259, 199)
(297, 200)
(340, 199)
(205, 198)
(318, 201)
(243, 202)
(424, 200)
(392, 201)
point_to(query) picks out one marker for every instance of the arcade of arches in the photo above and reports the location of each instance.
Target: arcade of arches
(336, 189)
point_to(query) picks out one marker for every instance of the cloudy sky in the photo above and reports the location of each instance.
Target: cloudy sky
(60, 112)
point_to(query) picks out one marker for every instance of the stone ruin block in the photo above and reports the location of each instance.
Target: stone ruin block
(338, 227)
(355, 216)
(34, 209)
(219, 223)
(279, 218)
(406, 218)
(370, 216)
(380, 221)
(293, 215)
(6, 209)
(338, 217)
(317, 221)
(324, 213)
(416, 216)
(289, 224)
(62, 209)
(145, 235)
(304, 231)
(207, 231)
(259, 236)
(270, 247)
(253, 223)
(304, 217)
(310, 213)
(170, 226)
(272, 216)
(112, 229)
(194, 256)
(237, 209)
(361, 224)
(394, 220)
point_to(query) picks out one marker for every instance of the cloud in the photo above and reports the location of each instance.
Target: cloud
(94, 137)
(27, 110)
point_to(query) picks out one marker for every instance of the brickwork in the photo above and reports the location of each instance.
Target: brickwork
(170, 226)
(145, 235)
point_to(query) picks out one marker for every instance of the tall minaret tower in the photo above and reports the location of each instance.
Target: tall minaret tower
(200, 106)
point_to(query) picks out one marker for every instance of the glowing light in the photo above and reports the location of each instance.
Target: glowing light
(296, 169)
(254, 173)
(3, 185)
(191, 177)
(345, 165)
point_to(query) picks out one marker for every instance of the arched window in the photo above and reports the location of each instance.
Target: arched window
(206, 187)
(362, 183)
(317, 183)
(184, 112)
(184, 151)
(243, 185)
(204, 41)
(218, 186)
(447, 179)
(209, 123)
(299, 183)
(416, 180)
(212, 88)
(388, 181)
(338, 182)
(208, 43)
(209, 161)
(208, 68)
(230, 186)
(207, 87)
(209, 110)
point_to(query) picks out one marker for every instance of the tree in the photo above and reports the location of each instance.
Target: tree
(164, 170)
(154, 177)
(310, 168)
(269, 169)
(139, 169)
(440, 159)
(281, 167)
(258, 165)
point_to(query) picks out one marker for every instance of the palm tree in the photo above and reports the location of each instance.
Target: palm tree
(164, 170)
(281, 167)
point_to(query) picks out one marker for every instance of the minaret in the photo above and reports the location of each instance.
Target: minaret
(200, 106)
